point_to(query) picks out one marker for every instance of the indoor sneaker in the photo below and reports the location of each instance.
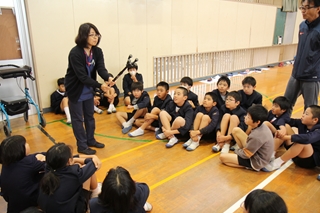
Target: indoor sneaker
(114, 110)
(125, 130)
(216, 148)
(161, 136)
(147, 207)
(234, 147)
(193, 146)
(186, 144)
(136, 132)
(172, 142)
(225, 148)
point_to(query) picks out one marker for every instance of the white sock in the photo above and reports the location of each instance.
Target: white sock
(131, 121)
(277, 162)
(156, 129)
(96, 191)
(111, 106)
(273, 154)
(125, 124)
(66, 110)
(95, 108)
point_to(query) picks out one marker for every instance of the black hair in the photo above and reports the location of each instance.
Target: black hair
(315, 2)
(60, 81)
(137, 85)
(132, 65)
(213, 96)
(57, 157)
(184, 90)
(163, 84)
(83, 34)
(224, 78)
(315, 110)
(283, 102)
(262, 201)
(249, 80)
(12, 149)
(236, 95)
(187, 80)
(110, 75)
(117, 191)
(258, 113)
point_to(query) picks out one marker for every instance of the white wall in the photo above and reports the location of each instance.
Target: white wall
(144, 28)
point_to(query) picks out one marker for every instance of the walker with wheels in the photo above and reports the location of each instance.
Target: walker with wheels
(17, 104)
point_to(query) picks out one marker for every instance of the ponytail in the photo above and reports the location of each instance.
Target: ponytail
(49, 183)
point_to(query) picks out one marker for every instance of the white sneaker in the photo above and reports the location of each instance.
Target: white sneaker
(193, 146)
(68, 121)
(172, 142)
(216, 148)
(109, 111)
(225, 148)
(97, 110)
(147, 207)
(114, 110)
(161, 136)
(136, 132)
(234, 147)
(186, 144)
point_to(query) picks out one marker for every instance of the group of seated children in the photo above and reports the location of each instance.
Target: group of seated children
(57, 181)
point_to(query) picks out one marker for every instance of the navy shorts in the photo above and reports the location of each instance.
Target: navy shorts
(244, 162)
(307, 163)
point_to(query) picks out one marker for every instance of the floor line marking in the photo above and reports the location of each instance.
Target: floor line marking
(275, 174)
(46, 134)
(128, 151)
(182, 171)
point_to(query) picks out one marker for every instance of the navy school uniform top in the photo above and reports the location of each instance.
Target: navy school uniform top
(20, 183)
(239, 112)
(141, 195)
(127, 81)
(142, 102)
(194, 98)
(185, 111)
(213, 114)
(220, 100)
(161, 104)
(66, 196)
(248, 100)
(55, 101)
(307, 136)
(282, 120)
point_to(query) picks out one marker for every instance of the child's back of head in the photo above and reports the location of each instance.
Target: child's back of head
(249, 80)
(118, 190)
(12, 150)
(258, 113)
(283, 102)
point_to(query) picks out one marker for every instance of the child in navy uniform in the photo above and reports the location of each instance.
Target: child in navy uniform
(128, 79)
(205, 121)
(176, 118)
(231, 116)
(223, 85)
(21, 173)
(111, 98)
(66, 185)
(140, 103)
(59, 102)
(187, 82)
(255, 150)
(277, 119)
(150, 120)
(304, 147)
(249, 95)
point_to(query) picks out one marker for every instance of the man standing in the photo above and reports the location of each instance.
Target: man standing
(305, 77)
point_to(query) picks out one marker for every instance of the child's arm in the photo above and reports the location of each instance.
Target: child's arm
(258, 99)
(125, 85)
(307, 138)
(253, 144)
(143, 104)
(188, 117)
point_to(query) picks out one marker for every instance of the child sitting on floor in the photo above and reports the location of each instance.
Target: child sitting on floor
(223, 85)
(205, 121)
(150, 120)
(187, 82)
(176, 118)
(140, 103)
(255, 150)
(248, 94)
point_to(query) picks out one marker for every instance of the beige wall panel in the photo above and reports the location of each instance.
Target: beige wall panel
(262, 26)
(299, 19)
(52, 35)
(133, 33)
(184, 26)
(208, 24)
(158, 34)
(243, 26)
(105, 18)
(273, 55)
(227, 25)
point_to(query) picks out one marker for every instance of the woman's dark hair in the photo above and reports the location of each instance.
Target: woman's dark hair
(258, 113)
(83, 34)
(57, 157)
(117, 192)
(262, 201)
(12, 149)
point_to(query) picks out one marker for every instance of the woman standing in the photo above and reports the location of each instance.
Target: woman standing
(84, 61)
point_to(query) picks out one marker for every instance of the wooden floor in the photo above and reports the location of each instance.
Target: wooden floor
(182, 181)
